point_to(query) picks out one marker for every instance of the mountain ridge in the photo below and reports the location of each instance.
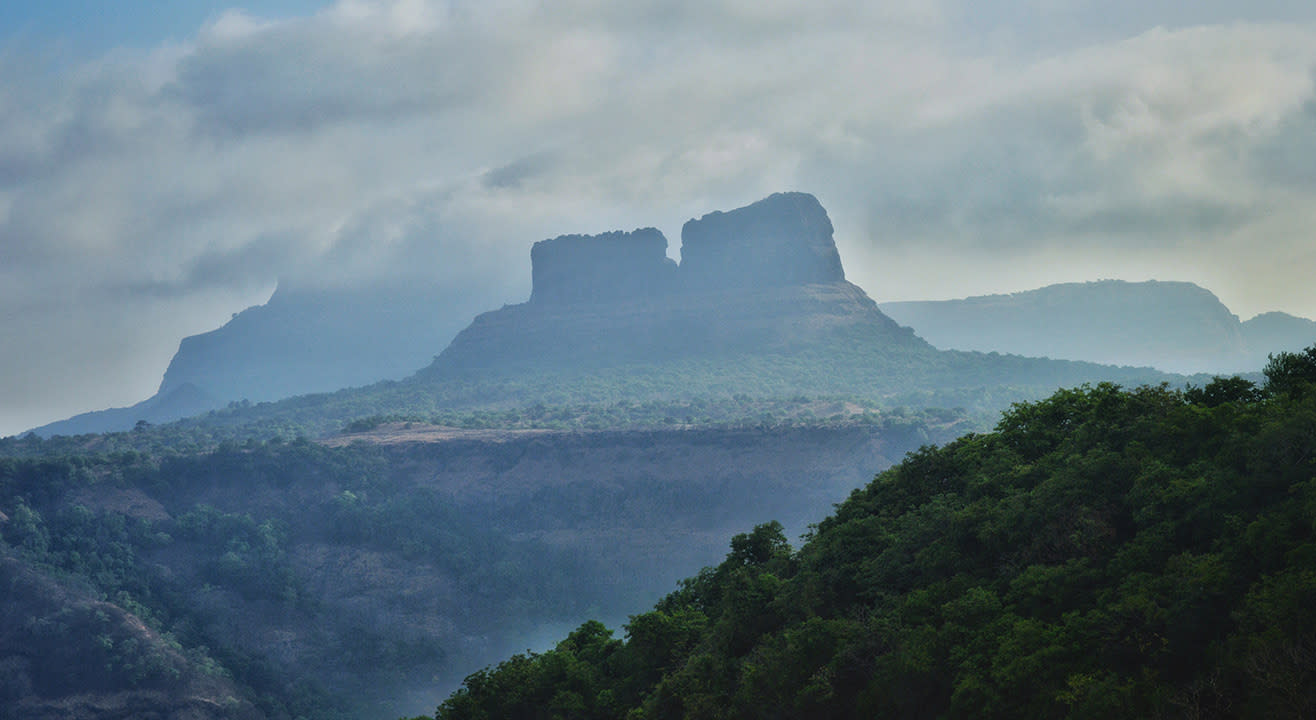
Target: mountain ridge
(1170, 325)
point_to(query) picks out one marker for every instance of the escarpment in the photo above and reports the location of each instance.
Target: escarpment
(761, 278)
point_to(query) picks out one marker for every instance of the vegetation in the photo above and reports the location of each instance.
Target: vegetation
(740, 389)
(149, 535)
(1103, 553)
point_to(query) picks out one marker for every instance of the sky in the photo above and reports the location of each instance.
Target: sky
(164, 165)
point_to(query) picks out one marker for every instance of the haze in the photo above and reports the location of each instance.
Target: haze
(160, 171)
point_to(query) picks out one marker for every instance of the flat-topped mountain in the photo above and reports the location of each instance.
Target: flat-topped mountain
(1173, 326)
(762, 278)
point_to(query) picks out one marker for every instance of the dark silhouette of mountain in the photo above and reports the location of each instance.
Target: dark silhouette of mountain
(1172, 326)
(759, 305)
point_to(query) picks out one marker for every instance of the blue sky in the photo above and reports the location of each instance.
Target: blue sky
(961, 147)
(84, 28)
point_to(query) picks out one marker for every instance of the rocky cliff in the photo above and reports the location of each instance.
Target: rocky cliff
(782, 240)
(763, 278)
(601, 268)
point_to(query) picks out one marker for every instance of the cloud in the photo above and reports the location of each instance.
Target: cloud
(960, 147)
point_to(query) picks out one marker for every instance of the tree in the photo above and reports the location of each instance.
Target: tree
(1291, 374)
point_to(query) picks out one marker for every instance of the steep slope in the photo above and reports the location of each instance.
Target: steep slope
(303, 340)
(66, 655)
(1172, 326)
(1103, 554)
(364, 580)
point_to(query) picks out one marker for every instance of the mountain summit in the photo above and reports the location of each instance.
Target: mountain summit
(761, 278)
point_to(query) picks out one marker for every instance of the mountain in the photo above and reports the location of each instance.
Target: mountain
(765, 278)
(183, 400)
(1172, 326)
(303, 340)
(758, 307)
(351, 554)
(1274, 332)
(1104, 553)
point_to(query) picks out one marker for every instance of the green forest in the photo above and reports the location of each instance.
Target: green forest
(1103, 553)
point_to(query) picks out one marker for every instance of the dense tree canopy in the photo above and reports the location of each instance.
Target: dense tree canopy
(1103, 553)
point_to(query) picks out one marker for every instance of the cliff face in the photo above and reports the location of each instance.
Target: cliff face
(780, 241)
(601, 268)
(762, 278)
(784, 239)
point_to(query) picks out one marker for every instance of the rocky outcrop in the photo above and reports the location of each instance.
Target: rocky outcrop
(784, 239)
(601, 268)
(765, 278)
(780, 241)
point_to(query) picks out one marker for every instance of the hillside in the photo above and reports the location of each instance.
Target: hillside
(303, 340)
(364, 577)
(1172, 326)
(1104, 553)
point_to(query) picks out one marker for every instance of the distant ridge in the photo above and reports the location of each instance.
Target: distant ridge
(1172, 326)
(302, 340)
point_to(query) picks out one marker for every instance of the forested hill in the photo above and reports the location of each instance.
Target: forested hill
(1104, 553)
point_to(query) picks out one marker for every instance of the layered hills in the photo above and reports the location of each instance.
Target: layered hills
(758, 306)
(1172, 326)
(352, 554)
